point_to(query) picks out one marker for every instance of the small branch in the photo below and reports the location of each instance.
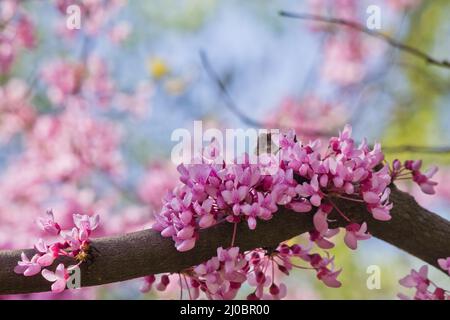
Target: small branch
(229, 102)
(361, 28)
(412, 229)
(231, 105)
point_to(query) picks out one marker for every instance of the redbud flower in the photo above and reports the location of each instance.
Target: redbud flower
(59, 277)
(444, 263)
(423, 286)
(163, 283)
(416, 279)
(28, 267)
(85, 224)
(278, 292)
(355, 232)
(147, 284)
(321, 238)
(424, 182)
(329, 277)
(50, 254)
(48, 223)
(75, 245)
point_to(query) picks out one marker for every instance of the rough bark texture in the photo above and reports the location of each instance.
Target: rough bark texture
(412, 229)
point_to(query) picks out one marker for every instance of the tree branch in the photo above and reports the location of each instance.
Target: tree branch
(361, 28)
(412, 229)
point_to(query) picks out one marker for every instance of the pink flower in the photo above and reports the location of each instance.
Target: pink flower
(418, 280)
(63, 78)
(329, 277)
(148, 283)
(72, 238)
(444, 263)
(381, 209)
(157, 181)
(48, 223)
(120, 32)
(424, 180)
(311, 190)
(50, 253)
(186, 245)
(320, 221)
(321, 238)
(163, 283)
(28, 267)
(251, 211)
(355, 232)
(228, 257)
(302, 205)
(59, 277)
(235, 196)
(278, 292)
(205, 213)
(85, 224)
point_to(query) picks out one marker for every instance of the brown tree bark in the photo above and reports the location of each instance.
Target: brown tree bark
(412, 229)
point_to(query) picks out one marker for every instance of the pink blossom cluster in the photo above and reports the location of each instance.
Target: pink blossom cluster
(425, 288)
(348, 52)
(158, 178)
(410, 170)
(310, 117)
(82, 84)
(306, 178)
(17, 32)
(222, 276)
(58, 174)
(75, 245)
(16, 112)
(444, 263)
(71, 82)
(80, 143)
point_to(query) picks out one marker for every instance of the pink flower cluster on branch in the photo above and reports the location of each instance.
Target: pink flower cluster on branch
(222, 276)
(75, 245)
(307, 180)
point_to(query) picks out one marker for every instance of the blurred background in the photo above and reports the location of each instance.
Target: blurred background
(86, 115)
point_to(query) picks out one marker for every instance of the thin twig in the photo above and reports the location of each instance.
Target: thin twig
(361, 28)
(231, 105)
(229, 102)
